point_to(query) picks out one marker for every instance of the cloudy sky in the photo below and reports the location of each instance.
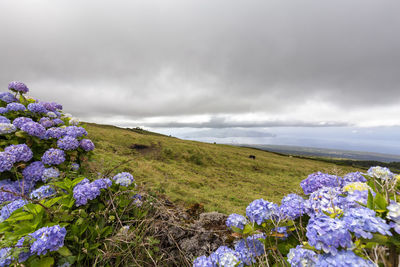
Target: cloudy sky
(319, 73)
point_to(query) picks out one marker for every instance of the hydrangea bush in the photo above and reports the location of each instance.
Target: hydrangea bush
(50, 215)
(352, 220)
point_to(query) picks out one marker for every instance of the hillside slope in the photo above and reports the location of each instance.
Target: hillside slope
(221, 177)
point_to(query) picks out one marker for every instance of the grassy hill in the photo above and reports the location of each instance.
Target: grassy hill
(221, 177)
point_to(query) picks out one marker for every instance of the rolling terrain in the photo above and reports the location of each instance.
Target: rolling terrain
(221, 177)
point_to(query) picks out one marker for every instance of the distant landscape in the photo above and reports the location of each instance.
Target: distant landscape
(330, 153)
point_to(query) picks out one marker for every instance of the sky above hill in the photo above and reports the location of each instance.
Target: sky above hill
(279, 68)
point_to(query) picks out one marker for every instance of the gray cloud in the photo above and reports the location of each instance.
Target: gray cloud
(153, 58)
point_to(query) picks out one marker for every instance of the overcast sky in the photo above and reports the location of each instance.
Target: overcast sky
(209, 63)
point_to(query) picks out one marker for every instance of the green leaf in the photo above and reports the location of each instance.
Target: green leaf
(370, 202)
(43, 262)
(380, 201)
(64, 251)
(248, 229)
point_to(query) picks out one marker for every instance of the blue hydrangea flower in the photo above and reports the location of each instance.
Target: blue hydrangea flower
(36, 108)
(137, 200)
(75, 131)
(124, 179)
(52, 106)
(21, 152)
(353, 177)
(54, 133)
(9, 186)
(381, 173)
(48, 239)
(8, 97)
(50, 173)
(15, 107)
(68, 143)
(53, 156)
(58, 122)
(7, 128)
(74, 166)
(260, 210)
(85, 191)
(236, 220)
(87, 145)
(25, 253)
(203, 261)
(292, 207)
(327, 234)
(326, 199)
(18, 122)
(363, 222)
(19, 87)
(5, 256)
(43, 192)
(46, 122)
(318, 180)
(8, 209)
(343, 258)
(7, 161)
(33, 173)
(3, 110)
(4, 120)
(34, 129)
(300, 257)
(226, 257)
(250, 248)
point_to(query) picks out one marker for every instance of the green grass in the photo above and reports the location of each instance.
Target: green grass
(221, 177)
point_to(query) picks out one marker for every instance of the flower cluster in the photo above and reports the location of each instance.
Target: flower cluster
(85, 190)
(43, 192)
(6, 211)
(47, 239)
(236, 220)
(292, 207)
(18, 86)
(318, 180)
(300, 257)
(67, 143)
(260, 210)
(21, 152)
(124, 179)
(53, 156)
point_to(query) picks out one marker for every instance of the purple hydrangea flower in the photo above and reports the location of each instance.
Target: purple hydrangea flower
(250, 248)
(8, 209)
(46, 122)
(4, 120)
(326, 199)
(50, 173)
(394, 215)
(225, 256)
(87, 145)
(53, 156)
(260, 210)
(123, 178)
(43, 192)
(342, 259)
(18, 86)
(362, 221)
(9, 186)
(85, 191)
(292, 207)
(300, 257)
(18, 122)
(58, 122)
(137, 200)
(203, 261)
(68, 143)
(327, 234)
(5, 257)
(37, 108)
(353, 177)
(21, 152)
(7, 161)
(15, 107)
(48, 239)
(54, 133)
(236, 220)
(8, 97)
(34, 129)
(7, 128)
(74, 166)
(33, 173)
(318, 180)
(75, 131)
(52, 106)
(3, 110)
